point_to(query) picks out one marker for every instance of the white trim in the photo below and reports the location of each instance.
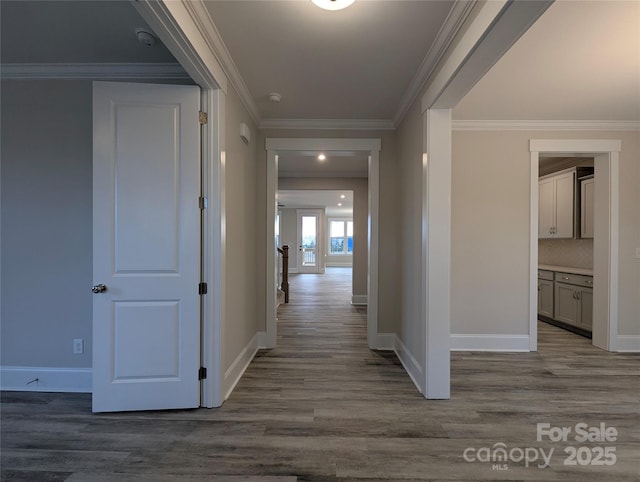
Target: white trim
(118, 71)
(409, 362)
(341, 144)
(516, 343)
(435, 286)
(234, 373)
(336, 264)
(173, 24)
(359, 300)
(15, 378)
(386, 341)
(201, 17)
(575, 146)
(606, 239)
(545, 125)
(492, 29)
(533, 251)
(329, 124)
(179, 33)
(452, 24)
(373, 228)
(214, 249)
(628, 343)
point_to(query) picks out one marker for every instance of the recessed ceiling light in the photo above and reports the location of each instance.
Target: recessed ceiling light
(322, 157)
(342, 196)
(339, 204)
(333, 4)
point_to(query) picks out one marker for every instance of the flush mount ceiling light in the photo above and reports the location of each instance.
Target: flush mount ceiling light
(333, 4)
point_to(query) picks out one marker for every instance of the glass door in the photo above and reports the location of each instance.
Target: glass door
(309, 241)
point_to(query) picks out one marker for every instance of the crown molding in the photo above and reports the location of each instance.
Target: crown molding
(205, 24)
(329, 124)
(448, 31)
(92, 71)
(544, 125)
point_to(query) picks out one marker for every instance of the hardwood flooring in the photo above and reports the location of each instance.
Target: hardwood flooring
(322, 406)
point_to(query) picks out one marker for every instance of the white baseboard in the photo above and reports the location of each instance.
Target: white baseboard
(628, 343)
(79, 380)
(386, 341)
(359, 300)
(489, 343)
(410, 364)
(239, 366)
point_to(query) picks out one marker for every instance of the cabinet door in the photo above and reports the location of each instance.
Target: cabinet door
(564, 190)
(566, 304)
(587, 188)
(546, 208)
(586, 308)
(545, 298)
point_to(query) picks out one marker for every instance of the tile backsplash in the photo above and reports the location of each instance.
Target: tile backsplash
(575, 253)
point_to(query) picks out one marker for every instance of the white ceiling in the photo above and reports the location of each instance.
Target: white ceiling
(579, 61)
(355, 63)
(318, 199)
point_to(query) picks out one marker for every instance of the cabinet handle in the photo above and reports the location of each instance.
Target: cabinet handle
(578, 295)
(589, 282)
(564, 277)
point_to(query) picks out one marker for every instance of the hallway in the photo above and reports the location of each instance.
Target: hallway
(323, 407)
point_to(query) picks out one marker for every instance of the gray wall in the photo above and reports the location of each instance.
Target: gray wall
(244, 281)
(46, 150)
(409, 328)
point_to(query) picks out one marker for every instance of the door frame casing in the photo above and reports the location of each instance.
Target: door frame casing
(178, 26)
(373, 147)
(606, 237)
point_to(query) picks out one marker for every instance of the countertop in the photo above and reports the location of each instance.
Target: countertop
(566, 269)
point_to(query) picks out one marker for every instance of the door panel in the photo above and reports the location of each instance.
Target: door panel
(146, 249)
(309, 241)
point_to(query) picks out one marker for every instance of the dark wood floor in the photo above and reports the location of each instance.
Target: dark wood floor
(322, 406)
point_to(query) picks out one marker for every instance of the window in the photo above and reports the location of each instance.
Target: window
(340, 236)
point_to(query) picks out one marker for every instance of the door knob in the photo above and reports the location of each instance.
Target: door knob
(100, 288)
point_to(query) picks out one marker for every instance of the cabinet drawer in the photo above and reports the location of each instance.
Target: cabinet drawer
(575, 279)
(544, 274)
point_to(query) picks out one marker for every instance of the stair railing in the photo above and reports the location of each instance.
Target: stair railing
(284, 252)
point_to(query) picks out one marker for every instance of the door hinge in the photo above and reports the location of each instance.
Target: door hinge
(203, 117)
(202, 288)
(203, 202)
(202, 373)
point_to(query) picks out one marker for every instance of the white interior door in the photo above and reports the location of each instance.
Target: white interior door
(146, 246)
(309, 241)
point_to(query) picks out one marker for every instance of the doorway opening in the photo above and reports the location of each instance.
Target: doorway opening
(371, 148)
(605, 233)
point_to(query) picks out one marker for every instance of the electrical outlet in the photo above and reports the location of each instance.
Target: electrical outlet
(78, 346)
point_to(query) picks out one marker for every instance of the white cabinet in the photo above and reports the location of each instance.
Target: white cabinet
(587, 190)
(545, 293)
(573, 300)
(556, 205)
